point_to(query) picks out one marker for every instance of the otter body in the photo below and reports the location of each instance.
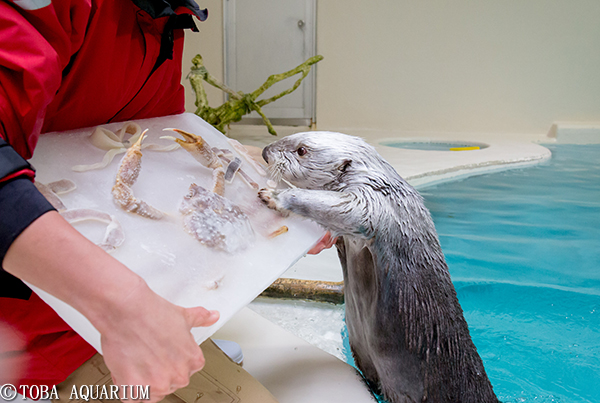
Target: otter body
(406, 328)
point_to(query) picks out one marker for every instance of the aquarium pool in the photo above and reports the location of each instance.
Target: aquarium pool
(523, 249)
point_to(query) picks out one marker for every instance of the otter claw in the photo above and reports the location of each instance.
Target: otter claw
(269, 198)
(266, 196)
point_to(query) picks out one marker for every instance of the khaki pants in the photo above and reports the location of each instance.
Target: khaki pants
(220, 381)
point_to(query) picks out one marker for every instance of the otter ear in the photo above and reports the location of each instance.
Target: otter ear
(344, 165)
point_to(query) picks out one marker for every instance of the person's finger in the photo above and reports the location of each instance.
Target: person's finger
(330, 242)
(326, 242)
(255, 152)
(200, 316)
(182, 380)
(196, 363)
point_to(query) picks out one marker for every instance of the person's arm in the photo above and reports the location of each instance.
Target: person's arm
(146, 340)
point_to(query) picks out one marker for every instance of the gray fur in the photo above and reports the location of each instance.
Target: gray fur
(406, 328)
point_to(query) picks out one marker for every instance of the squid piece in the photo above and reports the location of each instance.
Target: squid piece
(127, 174)
(239, 147)
(204, 154)
(51, 191)
(114, 235)
(115, 144)
(62, 186)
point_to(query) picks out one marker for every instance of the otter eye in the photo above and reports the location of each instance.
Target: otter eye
(301, 151)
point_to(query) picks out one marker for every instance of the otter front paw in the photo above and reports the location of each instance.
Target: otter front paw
(269, 198)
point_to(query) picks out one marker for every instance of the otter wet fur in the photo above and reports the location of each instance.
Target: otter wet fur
(406, 328)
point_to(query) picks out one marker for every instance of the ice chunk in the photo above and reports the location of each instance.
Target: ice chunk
(215, 221)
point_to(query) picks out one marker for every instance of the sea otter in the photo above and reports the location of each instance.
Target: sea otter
(406, 328)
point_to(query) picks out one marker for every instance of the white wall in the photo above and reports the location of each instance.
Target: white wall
(511, 66)
(209, 43)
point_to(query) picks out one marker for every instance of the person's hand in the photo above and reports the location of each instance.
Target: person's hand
(326, 242)
(148, 342)
(255, 152)
(145, 339)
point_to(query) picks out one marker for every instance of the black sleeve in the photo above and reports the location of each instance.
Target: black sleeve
(20, 204)
(10, 161)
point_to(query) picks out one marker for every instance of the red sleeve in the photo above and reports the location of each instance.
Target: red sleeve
(34, 48)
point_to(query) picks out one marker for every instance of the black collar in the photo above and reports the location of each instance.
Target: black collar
(164, 8)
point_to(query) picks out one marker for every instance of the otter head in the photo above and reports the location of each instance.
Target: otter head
(318, 160)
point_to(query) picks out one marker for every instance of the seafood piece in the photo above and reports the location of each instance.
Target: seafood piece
(203, 153)
(215, 221)
(222, 151)
(127, 174)
(243, 174)
(281, 230)
(115, 144)
(214, 284)
(114, 235)
(239, 147)
(224, 154)
(51, 191)
(232, 168)
(104, 139)
(62, 186)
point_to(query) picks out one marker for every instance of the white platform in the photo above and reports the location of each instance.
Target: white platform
(290, 368)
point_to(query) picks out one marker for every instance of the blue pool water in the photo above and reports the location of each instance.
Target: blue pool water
(523, 249)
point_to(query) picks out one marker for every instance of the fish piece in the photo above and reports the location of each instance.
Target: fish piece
(281, 230)
(232, 168)
(127, 174)
(113, 236)
(204, 154)
(215, 221)
(239, 147)
(242, 173)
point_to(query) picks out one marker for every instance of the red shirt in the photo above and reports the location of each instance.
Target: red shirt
(79, 63)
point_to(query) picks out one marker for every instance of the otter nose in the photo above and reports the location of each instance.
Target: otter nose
(264, 154)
